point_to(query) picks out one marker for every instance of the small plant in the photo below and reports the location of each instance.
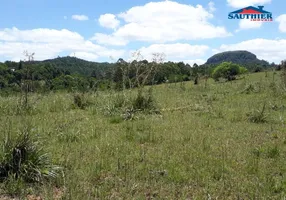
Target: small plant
(283, 74)
(120, 101)
(258, 116)
(80, 101)
(144, 101)
(196, 80)
(130, 114)
(116, 119)
(23, 158)
(249, 89)
(273, 152)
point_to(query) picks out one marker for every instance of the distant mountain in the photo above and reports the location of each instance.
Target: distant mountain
(244, 58)
(80, 66)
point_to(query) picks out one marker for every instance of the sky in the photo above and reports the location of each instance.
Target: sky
(106, 30)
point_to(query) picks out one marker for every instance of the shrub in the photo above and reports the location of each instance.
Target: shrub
(228, 70)
(144, 101)
(80, 100)
(23, 158)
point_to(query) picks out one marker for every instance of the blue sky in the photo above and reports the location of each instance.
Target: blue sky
(105, 30)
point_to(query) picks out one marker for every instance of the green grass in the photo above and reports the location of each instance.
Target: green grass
(201, 146)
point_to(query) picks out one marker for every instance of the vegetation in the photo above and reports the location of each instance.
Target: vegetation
(74, 74)
(228, 71)
(22, 158)
(121, 135)
(206, 142)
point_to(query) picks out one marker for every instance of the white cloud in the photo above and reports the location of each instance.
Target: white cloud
(167, 21)
(39, 35)
(174, 52)
(101, 38)
(211, 6)
(247, 24)
(270, 50)
(80, 17)
(244, 3)
(108, 21)
(49, 43)
(282, 22)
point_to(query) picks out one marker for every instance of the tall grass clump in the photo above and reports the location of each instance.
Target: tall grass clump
(258, 116)
(144, 101)
(80, 101)
(249, 89)
(23, 158)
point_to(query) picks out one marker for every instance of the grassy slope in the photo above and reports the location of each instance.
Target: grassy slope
(208, 149)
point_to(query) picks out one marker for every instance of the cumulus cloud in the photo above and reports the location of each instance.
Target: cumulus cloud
(247, 24)
(282, 22)
(167, 21)
(174, 52)
(80, 17)
(101, 38)
(39, 35)
(49, 43)
(244, 3)
(108, 21)
(270, 50)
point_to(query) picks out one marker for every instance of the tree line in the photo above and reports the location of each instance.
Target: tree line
(71, 73)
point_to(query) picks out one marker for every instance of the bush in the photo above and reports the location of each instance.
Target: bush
(80, 101)
(144, 102)
(23, 159)
(228, 70)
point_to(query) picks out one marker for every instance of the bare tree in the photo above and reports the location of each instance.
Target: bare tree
(145, 71)
(28, 55)
(26, 84)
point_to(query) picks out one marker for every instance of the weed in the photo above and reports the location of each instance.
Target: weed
(273, 152)
(249, 89)
(258, 116)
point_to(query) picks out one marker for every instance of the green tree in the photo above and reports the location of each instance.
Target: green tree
(228, 71)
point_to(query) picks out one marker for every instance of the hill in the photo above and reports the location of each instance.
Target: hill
(80, 66)
(244, 58)
(72, 65)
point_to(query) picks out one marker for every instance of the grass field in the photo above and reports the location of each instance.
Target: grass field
(222, 141)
